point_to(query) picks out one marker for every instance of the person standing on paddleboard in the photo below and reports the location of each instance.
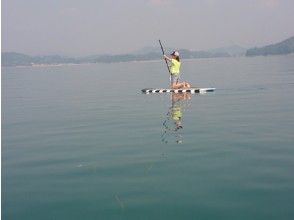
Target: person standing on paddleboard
(174, 67)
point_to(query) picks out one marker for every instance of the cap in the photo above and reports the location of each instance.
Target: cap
(175, 53)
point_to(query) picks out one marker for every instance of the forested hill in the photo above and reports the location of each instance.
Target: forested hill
(284, 47)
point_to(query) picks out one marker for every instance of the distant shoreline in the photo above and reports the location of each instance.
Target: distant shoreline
(140, 61)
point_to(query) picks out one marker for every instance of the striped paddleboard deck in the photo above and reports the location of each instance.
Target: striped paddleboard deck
(190, 90)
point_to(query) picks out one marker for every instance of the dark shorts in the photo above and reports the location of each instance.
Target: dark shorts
(175, 78)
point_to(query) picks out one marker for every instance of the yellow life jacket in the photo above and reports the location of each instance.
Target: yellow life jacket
(175, 67)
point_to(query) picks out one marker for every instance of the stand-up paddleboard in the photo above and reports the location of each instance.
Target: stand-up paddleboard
(190, 90)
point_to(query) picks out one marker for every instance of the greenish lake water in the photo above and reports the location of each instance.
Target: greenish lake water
(82, 142)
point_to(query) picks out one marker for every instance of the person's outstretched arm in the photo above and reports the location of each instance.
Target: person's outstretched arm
(167, 58)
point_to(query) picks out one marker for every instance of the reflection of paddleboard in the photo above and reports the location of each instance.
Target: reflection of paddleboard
(190, 90)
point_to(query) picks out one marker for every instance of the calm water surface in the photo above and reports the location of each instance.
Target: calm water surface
(82, 142)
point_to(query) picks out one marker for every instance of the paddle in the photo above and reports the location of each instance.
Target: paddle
(166, 62)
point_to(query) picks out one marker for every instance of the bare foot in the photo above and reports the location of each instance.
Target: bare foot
(187, 85)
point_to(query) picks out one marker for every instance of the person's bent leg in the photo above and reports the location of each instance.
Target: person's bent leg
(174, 85)
(180, 85)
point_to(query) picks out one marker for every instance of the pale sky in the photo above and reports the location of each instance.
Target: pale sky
(87, 27)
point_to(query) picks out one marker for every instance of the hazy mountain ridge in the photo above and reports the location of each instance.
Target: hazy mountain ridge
(19, 59)
(234, 50)
(283, 47)
(145, 54)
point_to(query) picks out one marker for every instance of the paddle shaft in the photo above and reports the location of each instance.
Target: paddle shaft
(165, 61)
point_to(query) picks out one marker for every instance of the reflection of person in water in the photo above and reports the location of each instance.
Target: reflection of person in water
(173, 122)
(176, 114)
